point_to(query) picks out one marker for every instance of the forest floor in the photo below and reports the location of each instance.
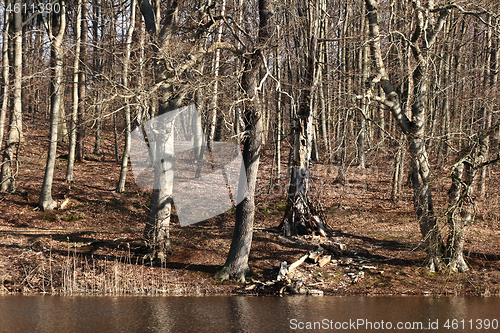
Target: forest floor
(94, 244)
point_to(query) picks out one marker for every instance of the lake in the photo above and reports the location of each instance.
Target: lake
(247, 314)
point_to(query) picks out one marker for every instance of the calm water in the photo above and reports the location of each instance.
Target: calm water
(246, 314)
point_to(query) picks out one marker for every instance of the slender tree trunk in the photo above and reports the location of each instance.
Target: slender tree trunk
(62, 130)
(365, 102)
(278, 107)
(115, 132)
(341, 175)
(482, 181)
(398, 173)
(97, 72)
(5, 72)
(59, 25)
(126, 65)
(74, 113)
(322, 74)
(82, 91)
(15, 135)
(214, 123)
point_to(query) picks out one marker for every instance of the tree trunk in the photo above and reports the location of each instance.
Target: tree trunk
(482, 181)
(157, 230)
(398, 173)
(62, 130)
(15, 135)
(216, 121)
(414, 130)
(461, 209)
(299, 215)
(59, 25)
(126, 65)
(82, 90)
(457, 219)
(278, 107)
(5, 72)
(236, 266)
(98, 61)
(365, 102)
(420, 172)
(74, 113)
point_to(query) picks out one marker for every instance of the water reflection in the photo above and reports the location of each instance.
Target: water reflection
(234, 313)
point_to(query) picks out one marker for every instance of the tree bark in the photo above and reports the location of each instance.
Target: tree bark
(236, 266)
(278, 107)
(74, 113)
(457, 219)
(157, 230)
(126, 64)
(98, 61)
(15, 135)
(414, 130)
(216, 119)
(297, 219)
(5, 71)
(82, 90)
(59, 25)
(482, 181)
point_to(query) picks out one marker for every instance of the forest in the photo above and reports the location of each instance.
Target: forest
(369, 133)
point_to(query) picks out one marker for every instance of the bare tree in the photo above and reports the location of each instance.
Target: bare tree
(5, 71)
(422, 40)
(430, 21)
(15, 135)
(236, 265)
(57, 26)
(82, 79)
(300, 217)
(171, 93)
(74, 113)
(126, 65)
(461, 210)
